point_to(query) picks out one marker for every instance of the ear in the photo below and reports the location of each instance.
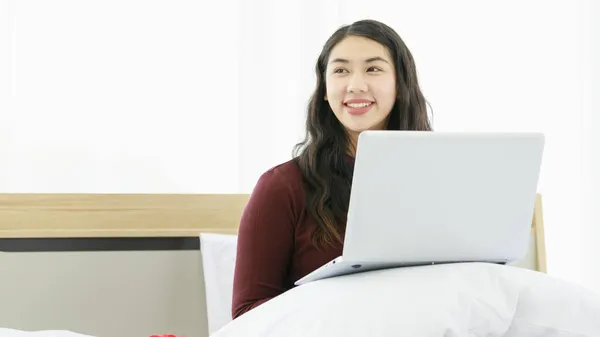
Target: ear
(325, 97)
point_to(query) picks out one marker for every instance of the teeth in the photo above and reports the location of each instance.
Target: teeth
(358, 105)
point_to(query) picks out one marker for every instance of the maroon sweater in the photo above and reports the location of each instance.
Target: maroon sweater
(274, 248)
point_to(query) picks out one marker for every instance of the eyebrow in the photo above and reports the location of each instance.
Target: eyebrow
(369, 60)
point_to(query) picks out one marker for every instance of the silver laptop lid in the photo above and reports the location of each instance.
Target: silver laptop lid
(420, 197)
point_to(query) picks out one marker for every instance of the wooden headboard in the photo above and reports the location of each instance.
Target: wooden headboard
(537, 228)
(150, 215)
(118, 215)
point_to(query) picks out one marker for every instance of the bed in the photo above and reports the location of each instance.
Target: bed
(124, 265)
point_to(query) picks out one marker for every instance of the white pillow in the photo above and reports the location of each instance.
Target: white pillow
(553, 307)
(218, 265)
(475, 299)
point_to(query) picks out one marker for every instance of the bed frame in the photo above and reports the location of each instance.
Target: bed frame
(134, 257)
(118, 215)
(150, 215)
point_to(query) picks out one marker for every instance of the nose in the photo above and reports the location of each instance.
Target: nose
(357, 84)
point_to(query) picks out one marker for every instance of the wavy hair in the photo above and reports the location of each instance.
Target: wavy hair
(322, 155)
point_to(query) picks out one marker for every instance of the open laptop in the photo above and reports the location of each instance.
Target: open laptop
(421, 198)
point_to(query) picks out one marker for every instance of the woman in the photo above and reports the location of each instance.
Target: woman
(295, 219)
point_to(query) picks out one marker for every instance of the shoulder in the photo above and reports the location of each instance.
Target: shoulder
(279, 189)
(288, 169)
(282, 177)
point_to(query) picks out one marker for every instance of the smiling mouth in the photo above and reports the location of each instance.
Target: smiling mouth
(358, 105)
(358, 108)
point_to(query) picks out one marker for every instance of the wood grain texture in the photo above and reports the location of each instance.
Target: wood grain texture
(110, 215)
(147, 215)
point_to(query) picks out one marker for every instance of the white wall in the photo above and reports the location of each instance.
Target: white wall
(590, 163)
(119, 96)
(169, 96)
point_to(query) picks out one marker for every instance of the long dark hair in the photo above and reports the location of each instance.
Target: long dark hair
(321, 156)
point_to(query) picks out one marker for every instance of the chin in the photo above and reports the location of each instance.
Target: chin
(357, 131)
(360, 127)
(371, 120)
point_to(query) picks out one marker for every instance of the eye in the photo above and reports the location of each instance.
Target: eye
(374, 69)
(339, 71)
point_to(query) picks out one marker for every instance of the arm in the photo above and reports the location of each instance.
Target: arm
(265, 244)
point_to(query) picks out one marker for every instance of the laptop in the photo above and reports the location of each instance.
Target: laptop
(421, 198)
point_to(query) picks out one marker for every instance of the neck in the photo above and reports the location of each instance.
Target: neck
(352, 143)
(353, 137)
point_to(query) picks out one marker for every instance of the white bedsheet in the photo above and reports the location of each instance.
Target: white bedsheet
(5, 332)
(455, 300)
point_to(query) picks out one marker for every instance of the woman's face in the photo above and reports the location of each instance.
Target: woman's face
(360, 82)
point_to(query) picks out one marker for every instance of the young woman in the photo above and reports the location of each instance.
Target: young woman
(296, 217)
